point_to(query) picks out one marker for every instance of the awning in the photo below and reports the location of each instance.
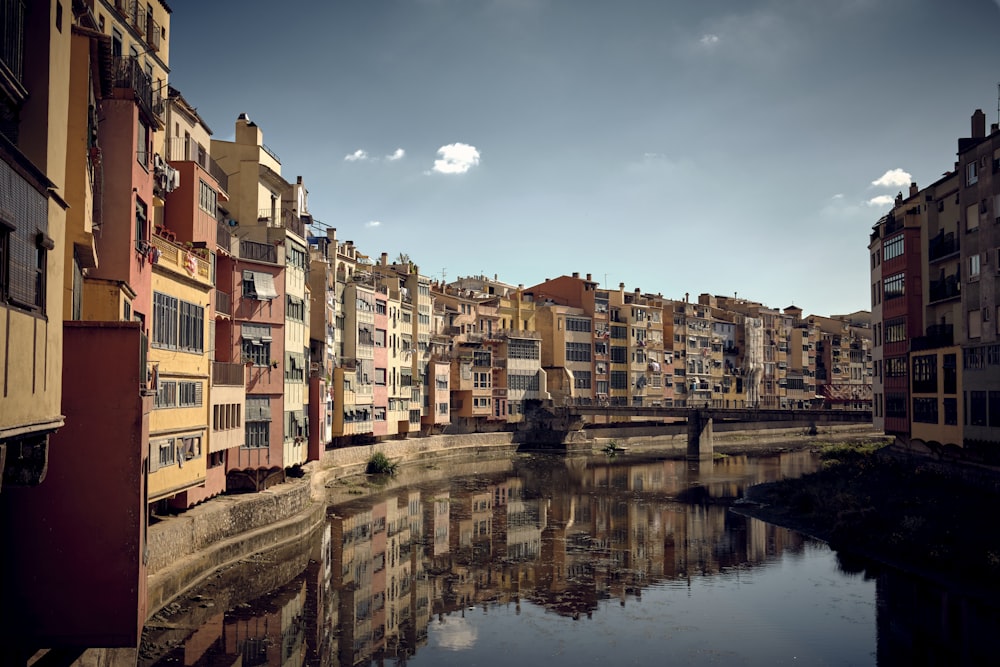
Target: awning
(258, 333)
(263, 285)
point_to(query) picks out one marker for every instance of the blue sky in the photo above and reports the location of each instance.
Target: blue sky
(723, 146)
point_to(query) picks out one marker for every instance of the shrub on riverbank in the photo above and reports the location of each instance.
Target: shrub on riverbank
(379, 464)
(894, 509)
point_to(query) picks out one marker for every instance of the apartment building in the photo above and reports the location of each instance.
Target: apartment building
(979, 212)
(273, 213)
(566, 353)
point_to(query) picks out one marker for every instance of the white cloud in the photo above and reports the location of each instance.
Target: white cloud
(881, 200)
(894, 178)
(839, 195)
(456, 159)
(709, 40)
(358, 155)
(398, 154)
(373, 223)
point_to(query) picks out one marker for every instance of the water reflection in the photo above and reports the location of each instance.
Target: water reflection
(549, 538)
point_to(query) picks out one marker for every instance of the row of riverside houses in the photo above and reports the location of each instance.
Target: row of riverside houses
(935, 283)
(175, 326)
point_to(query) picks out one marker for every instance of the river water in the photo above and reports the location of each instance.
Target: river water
(548, 560)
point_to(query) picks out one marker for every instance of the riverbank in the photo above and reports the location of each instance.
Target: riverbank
(915, 515)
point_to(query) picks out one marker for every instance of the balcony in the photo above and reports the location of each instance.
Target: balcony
(949, 287)
(180, 260)
(12, 48)
(261, 252)
(179, 149)
(942, 246)
(223, 238)
(227, 374)
(223, 303)
(127, 74)
(282, 218)
(938, 335)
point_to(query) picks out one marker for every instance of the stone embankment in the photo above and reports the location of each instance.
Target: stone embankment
(185, 549)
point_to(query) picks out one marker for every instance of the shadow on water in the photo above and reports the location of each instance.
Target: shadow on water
(644, 552)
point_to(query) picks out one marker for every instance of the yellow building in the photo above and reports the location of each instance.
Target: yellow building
(33, 168)
(180, 357)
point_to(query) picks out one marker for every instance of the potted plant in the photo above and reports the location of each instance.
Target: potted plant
(274, 363)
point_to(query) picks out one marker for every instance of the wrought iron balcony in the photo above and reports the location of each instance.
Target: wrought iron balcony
(12, 44)
(942, 245)
(948, 287)
(127, 73)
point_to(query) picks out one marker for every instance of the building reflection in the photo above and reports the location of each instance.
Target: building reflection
(568, 536)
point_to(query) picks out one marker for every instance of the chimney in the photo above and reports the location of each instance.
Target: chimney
(385, 258)
(638, 291)
(913, 189)
(298, 180)
(589, 278)
(687, 296)
(994, 127)
(247, 132)
(978, 124)
(576, 274)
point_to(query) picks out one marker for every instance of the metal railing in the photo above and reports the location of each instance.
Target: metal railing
(181, 149)
(12, 37)
(127, 73)
(945, 288)
(228, 374)
(942, 245)
(260, 252)
(223, 303)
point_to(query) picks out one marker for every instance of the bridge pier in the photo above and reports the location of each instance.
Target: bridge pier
(700, 446)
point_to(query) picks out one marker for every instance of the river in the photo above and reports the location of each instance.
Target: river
(548, 560)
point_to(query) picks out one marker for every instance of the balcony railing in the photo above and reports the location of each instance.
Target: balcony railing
(227, 374)
(127, 73)
(12, 37)
(223, 303)
(260, 252)
(942, 245)
(181, 149)
(938, 335)
(285, 218)
(945, 288)
(223, 238)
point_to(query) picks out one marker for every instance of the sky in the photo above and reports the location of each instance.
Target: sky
(734, 147)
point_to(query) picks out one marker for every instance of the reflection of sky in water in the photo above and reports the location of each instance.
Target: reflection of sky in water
(799, 609)
(454, 633)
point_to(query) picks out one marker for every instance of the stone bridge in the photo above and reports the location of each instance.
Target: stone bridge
(700, 420)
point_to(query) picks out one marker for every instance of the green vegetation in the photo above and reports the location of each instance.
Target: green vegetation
(612, 449)
(379, 464)
(894, 509)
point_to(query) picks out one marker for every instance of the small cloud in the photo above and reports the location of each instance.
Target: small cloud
(356, 156)
(881, 200)
(456, 159)
(894, 178)
(373, 223)
(398, 154)
(837, 196)
(709, 40)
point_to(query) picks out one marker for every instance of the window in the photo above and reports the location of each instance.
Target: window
(524, 382)
(380, 338)
(893, 286)
(142, 145)
(482, 380)
(619, 355)
(895, 331)
(971, 173)
(166, 394)
(162, 453)
(581, 379)
(950, 373)
(256, 344)
(141, 226)
(974, 267)
(893, 248)
(178, 325)
(380, 376)
(925, 410)
(189, 394)
(519, 348)
(577, 351)
(975, 327)
(258, 422)
(295, 309)
(951, 411)
(619, 380)
(577, 324)
(971, 217)
(977, 408)
(619, 332)
(258, 285)
(24, 242)
(207, 198)
(925, 375)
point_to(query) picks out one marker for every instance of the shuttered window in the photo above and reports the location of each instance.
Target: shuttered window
(24, 241)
